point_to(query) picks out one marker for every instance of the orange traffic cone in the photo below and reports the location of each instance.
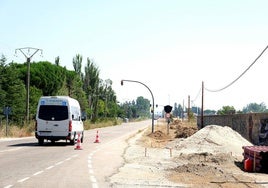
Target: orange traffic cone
(78, 144)
(97, 138)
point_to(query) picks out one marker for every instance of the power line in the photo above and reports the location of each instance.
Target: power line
(198, 94)
(240, 74)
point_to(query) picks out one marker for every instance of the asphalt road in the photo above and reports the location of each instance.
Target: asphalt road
(23, 163)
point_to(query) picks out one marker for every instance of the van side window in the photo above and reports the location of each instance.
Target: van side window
(75, 113)
(53, 112)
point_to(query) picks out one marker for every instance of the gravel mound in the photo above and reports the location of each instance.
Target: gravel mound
(212, 139)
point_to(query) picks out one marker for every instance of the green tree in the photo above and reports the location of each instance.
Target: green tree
(101, 108)
(254, 107)
(78, 93)
(209, 112)
(95, 96)
(47, 77)
(226, 110)
(107, 94)
(36, 93)
(143, 107)
(77, 64)
(57, 61)
(91, 87)
(3, 93)
(14, 92)
(135, 109)
(175, 111)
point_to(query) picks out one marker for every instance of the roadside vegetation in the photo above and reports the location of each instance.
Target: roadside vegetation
(95, 95)
(15, 131)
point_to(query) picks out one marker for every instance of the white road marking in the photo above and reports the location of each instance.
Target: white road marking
(74, 156)
(94, 185)
(24, 179)
(91, 171)
(35, 174)
(93, 179)
(98, 148)
(8, 186)
(59, 163)
(48, 168)
(41, 171)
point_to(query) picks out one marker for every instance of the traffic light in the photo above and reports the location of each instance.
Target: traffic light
(122, 82)
(167, 108)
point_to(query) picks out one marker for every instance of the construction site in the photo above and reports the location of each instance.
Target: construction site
(181, 155)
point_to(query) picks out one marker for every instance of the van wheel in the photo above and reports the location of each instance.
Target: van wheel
(82, 138)
(40, 141)
(72, 142)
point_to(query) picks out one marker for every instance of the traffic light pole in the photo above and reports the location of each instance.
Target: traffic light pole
(122, 81)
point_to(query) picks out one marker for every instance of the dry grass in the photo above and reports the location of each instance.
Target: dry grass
(15, 131)
(24, 131)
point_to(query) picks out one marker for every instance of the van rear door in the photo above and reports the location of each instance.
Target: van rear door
(54, 120)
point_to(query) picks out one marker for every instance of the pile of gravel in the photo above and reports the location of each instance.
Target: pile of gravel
(213, 139)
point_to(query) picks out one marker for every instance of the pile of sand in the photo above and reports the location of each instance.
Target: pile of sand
(212, 139)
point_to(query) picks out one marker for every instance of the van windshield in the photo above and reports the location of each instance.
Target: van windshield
(53, 112)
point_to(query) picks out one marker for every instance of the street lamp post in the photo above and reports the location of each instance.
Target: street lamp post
(28, 57)
(122, 81)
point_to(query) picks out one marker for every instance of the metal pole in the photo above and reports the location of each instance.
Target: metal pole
(188, 111)
(28, 57)
(202, 107)
(152, 98)
(28, 91)
(7, 124)
(182, 115)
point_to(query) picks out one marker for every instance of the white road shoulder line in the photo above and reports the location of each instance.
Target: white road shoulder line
(48, 168)
(58, 163)
(35, 174)
(8, 186)
(24, 179)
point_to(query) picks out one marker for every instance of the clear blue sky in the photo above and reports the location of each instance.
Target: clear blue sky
(170, 45)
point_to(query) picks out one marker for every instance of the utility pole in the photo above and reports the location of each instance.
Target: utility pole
(188, 111)
(28, 53)
(202, 106)
(182, 116)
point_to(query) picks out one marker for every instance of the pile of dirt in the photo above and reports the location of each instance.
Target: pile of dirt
(204, 175)
(184, 131)
(198, 169)
(159, 135)
(211, 158)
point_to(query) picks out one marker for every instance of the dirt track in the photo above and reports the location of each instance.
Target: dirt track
(208, 158)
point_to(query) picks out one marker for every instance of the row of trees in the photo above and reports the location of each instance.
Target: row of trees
(252, 107)
(96, 96)
(136, 109)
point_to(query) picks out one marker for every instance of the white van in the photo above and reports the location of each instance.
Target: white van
(58, 118)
